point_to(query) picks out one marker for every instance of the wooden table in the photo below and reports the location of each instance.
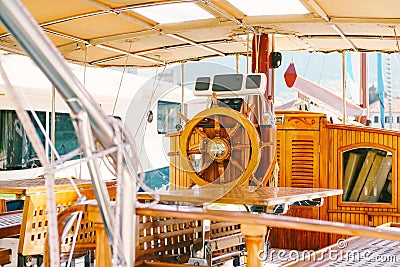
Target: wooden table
(31, 186)
(261, 196)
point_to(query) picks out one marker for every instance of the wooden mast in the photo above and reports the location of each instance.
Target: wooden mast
(262, 47)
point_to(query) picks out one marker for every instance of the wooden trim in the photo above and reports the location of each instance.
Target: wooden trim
(366, 145)
(362, 129)
(394, 214)
(343, 149)
(25, 217)
(173, 134)
(347, 211)
(366, 212)
(366, 204)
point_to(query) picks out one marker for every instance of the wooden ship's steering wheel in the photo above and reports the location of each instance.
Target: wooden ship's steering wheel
(221, 146)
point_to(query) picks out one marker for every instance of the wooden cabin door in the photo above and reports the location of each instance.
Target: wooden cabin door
(298, 151)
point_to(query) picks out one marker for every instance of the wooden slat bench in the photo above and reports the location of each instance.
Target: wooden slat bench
(166, 241)
(34, 225)
(10, 223)
(5, 256)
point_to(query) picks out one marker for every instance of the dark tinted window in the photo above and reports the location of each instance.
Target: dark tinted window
(66, 139)
(227, 82)
(16, 151)
(202, 83)
(253, 81)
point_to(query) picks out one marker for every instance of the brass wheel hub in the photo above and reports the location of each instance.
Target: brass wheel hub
(218, 149)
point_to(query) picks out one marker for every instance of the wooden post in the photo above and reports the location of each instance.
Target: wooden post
(262, 47)
(254, 236)
(103, 251)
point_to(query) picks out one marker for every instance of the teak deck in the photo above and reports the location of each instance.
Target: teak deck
(356, 251)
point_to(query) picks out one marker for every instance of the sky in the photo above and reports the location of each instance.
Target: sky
(322, 68)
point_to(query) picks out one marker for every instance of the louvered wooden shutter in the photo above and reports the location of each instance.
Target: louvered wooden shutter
(302, 158)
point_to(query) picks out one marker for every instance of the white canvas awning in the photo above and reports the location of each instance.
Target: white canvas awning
(153, 32)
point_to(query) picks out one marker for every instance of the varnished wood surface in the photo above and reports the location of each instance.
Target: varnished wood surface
(262, 196)
(326, 161)
(302, 164)
(10, 223)
(344, 138)
(34, 222)
(32, 186)
(5, 256)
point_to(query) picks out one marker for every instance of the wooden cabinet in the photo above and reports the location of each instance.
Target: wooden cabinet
(298, 152)
(312, 153)
(342, 139)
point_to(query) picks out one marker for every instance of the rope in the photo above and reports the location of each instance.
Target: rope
(322, 68)
(305, 69)
(122, 78)
(148, 107)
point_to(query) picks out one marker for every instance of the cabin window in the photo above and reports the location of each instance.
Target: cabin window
(398, 119)
(376, 119)
(367, 176)
(66, 139)
(17, 152)
(167, 116)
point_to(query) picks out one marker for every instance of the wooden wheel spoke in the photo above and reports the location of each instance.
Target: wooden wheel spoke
(214, 100)
(221, 169)
(202, 171)
(254, 180)
(182, 117)
(194, 151)
(265, 144)
(241, 147)
(249, 110)
(194, 146)
(200, 132)
(196, 129)
(217, 126)
(236, 164)
(232, 131)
